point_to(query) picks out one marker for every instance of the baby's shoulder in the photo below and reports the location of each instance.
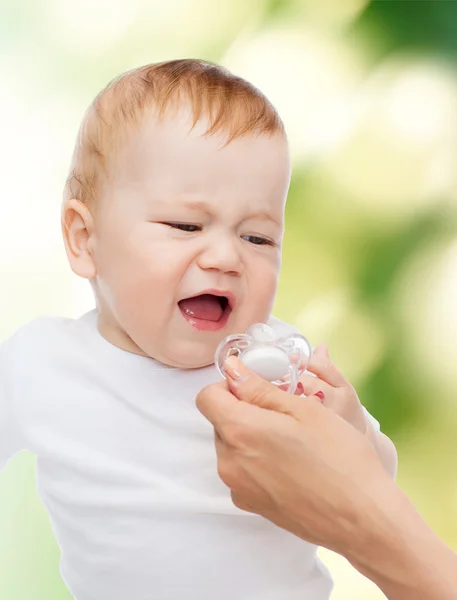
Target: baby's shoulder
(34, 339)
(38, 327)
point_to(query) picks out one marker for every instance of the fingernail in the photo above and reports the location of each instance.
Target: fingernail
(235, 369)
(320, 395)
(300, 388)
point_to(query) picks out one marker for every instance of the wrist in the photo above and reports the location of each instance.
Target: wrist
(399, 552)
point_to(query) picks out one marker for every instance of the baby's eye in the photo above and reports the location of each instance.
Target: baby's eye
(258, 241)
(184, 227)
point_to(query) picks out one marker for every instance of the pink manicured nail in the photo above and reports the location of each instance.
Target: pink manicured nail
(320, 395)
(300, 388)
(231, 367)
(235, 369)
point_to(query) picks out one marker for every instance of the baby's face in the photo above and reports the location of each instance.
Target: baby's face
(186, 218)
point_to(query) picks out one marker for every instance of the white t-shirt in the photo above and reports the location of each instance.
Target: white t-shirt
(126, 468)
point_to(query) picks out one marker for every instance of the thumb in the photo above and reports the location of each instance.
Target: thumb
(249, 387)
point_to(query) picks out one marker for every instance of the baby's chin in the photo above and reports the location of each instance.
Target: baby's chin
(197, 357)
(183, 354)
(193, 364)
(186, 362)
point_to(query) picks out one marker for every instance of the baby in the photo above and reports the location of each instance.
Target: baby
(174, 211)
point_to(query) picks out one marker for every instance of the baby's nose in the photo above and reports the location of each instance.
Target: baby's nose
(222, 255)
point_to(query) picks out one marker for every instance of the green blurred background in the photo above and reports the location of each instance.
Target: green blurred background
(368, 92)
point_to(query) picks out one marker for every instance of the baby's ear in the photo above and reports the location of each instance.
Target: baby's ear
(77, 230)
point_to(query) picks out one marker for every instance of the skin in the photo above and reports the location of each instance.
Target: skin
(140, 266)
(306, 469)
(143, 248)
(322, 375)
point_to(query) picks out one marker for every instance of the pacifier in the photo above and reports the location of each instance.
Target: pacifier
(278, 360)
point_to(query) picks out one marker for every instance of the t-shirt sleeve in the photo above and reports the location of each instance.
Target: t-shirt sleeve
(372, 420)
(10, 440)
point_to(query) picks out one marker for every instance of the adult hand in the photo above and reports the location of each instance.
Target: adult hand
(323, 379)
(332, 388)
(290, 459)
(307, 470)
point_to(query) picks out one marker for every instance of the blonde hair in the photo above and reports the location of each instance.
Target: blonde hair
(231, 105)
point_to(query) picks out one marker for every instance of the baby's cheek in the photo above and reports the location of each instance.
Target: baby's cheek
(260, 303)
(266, 287)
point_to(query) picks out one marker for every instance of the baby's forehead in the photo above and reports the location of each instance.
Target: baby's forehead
(178, 123)
(176, 134)
(183, 149)
(225, 104)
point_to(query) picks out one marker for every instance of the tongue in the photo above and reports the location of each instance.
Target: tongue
(205, 307)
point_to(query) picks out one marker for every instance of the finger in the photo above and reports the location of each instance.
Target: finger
(312, 385)
(322, 366)
(299, 390)
(249, 387)
(285, 386)
(217, 404)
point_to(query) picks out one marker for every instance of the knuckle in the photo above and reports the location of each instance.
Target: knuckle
(328, 365)
(200, 400)
(260, 395)
(204, 396)
(237, 434)
(349, 397)
(240, 502)
(243, 435)
(228, 473)
(225, 432)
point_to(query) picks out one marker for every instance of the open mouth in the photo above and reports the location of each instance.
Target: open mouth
(206, 312)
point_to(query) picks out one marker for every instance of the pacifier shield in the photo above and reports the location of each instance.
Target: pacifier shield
(278, 360)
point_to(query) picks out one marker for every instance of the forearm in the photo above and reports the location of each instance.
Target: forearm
(400, 553)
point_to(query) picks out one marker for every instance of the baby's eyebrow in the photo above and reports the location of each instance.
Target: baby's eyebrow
(202, 205)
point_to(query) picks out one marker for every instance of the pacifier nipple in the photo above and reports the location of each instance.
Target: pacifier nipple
(261, 333)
